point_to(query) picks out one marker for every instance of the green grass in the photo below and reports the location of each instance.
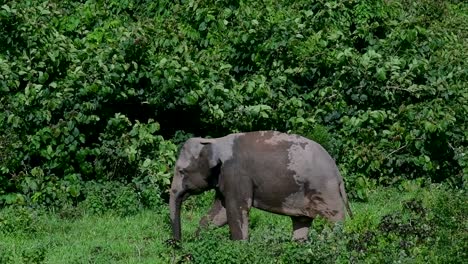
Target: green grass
(93, 239)
(29, 236)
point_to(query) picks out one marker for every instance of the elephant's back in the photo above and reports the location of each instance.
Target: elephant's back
(289, 154)
(296, 151)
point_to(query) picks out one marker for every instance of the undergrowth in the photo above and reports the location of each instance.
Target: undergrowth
(411, 224)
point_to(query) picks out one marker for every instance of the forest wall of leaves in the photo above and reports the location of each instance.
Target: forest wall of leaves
(97, 96)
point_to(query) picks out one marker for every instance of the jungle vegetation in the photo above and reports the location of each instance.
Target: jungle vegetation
(97, 96)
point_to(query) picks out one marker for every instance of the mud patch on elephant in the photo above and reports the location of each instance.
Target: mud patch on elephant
(293, 201)
(303, 204)
(316, 203)
(333, 212)
(315, 196)
(268, 163)
(299, 157)
(276, 138)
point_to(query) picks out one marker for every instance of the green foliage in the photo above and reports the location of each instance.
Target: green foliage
(105, 90)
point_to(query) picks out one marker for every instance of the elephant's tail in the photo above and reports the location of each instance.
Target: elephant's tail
(345, 199)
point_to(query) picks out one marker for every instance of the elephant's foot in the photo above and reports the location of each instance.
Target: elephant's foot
(301, 226)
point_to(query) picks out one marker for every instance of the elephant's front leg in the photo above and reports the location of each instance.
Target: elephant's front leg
(216, 216)
(237, 209)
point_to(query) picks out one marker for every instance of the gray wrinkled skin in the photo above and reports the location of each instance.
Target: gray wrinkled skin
(276, 172)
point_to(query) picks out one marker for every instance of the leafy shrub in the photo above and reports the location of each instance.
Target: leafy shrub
(414, 232)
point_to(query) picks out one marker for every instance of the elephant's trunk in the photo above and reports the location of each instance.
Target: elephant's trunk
(175, 203)
(177, 196)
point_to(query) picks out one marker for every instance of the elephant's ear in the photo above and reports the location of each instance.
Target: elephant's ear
(209, 143)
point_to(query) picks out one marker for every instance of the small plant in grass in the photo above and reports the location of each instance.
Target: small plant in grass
(34, 255)
(6, 255)
(17, 219)
(115, 196)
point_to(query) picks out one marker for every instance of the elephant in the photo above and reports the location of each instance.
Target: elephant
(281, 173)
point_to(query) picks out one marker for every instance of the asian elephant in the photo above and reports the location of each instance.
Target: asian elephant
(281, 173)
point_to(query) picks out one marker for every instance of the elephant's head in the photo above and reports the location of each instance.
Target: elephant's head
(196, 170)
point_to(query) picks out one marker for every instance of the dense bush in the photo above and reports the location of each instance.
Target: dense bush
(104, 90)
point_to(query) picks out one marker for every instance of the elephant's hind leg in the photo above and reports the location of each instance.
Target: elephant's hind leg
(301, 226)
(216, 216)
